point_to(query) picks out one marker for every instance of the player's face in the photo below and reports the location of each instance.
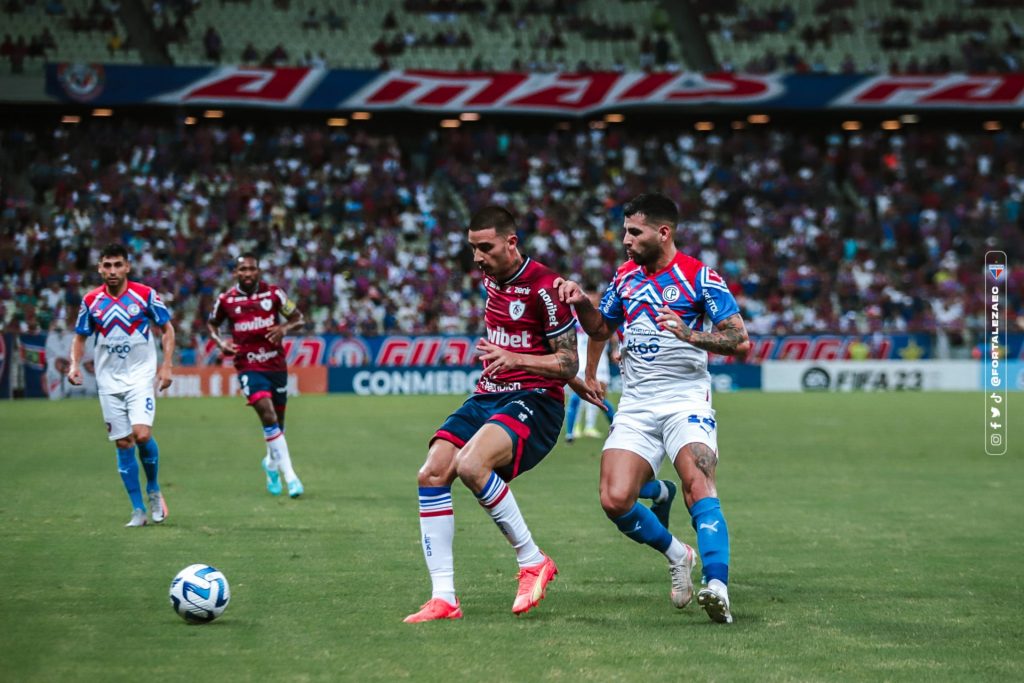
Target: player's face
(642, 240)
(247, 272)
(114, 271)
(493, 253)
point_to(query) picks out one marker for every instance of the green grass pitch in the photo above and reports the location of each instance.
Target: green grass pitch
(872, 540)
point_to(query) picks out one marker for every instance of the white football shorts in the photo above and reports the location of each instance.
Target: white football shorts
(653, 430)
(136, 406)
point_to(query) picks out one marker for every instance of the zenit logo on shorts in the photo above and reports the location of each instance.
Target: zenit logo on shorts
(125, 349)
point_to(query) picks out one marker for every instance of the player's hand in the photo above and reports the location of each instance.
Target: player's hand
(163, 377)
(586, 392)
(496, 359)
(228, 347)
(598, 387)
(616, 356)
(75, 376)
(569, 292)
(667, 320)
(275, 334)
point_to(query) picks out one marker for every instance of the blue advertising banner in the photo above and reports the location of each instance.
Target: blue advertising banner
(507, 92)
(6, 348)
(392, 381)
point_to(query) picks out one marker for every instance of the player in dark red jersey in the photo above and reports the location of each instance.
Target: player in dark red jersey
(255, 310)
(512, 420)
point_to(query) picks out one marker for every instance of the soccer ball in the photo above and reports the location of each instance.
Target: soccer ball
(199, 593)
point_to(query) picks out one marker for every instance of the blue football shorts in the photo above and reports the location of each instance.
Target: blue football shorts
(531, 418)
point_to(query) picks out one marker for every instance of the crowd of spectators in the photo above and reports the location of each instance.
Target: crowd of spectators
(813, 231)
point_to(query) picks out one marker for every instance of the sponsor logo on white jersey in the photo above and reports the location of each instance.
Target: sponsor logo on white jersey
(254, 324)
(517, 340)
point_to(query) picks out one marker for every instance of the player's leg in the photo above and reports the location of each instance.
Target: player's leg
(571, 414)
(632, 454)
(696, 461)
(590, 421)
(437, 517)
(262, 390)
(437, 530)
(142, 413)
(119, 430)
(517, 437)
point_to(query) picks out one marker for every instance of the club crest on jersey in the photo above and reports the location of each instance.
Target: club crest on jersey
(670, 294)
(238, 309)
(516, 309)
(133, 309)
(266, 304)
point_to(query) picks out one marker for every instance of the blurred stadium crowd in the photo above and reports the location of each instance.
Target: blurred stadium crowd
(828, 230)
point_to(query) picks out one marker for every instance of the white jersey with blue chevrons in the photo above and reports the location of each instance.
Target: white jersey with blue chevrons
(656, 366)
(125, 348)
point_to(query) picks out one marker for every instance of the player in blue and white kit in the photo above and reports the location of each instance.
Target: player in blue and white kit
(673, 310)
(121, 315)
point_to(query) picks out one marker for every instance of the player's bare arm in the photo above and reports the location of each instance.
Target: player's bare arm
(77, 351)
(590, 318)
(164, 372)
(227, 347)
(562, 363)
(293, 322)
(595, 348)
(729, 338)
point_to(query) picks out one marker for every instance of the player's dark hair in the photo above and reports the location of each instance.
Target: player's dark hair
(248, 254)
(655, 207)
(114, 250)
(501, 219)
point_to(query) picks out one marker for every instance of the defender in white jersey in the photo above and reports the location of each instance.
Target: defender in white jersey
(673, 310)
(121, 316)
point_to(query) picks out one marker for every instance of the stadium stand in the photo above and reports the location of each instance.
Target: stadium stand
(64, 30)
(896, 36)
(526, 35)
(826, 230)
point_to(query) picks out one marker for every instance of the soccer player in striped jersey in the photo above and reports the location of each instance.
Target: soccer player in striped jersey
(509, 424)
(674, 310)
(122, 314)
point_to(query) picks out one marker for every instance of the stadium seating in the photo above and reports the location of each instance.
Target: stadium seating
(82, 32)
(598, 33)
(866, 35)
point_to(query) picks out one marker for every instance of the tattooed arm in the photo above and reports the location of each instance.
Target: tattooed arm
(729, 338)
(562, 363)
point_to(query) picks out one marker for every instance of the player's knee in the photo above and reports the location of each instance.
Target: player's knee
(616, 501)
(125, 442)
(466, 465)
(430, 476)
(141, 433)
